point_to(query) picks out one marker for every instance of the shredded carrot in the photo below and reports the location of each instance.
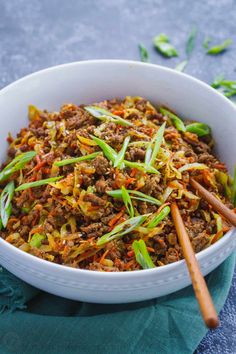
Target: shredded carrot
(118, 113)
(130, 253)
(129, 181)
(114, 220)
(104, 255)
(133, 172)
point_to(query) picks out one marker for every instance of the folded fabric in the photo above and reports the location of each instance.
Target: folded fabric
(170, 324)
(14, 293)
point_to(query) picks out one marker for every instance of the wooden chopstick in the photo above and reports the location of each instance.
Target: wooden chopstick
(215, 203)
(199, 285)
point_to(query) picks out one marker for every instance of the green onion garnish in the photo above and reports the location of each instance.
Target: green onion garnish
(36, 240)
(206, 42)
(178, 123)
(108, 151)
(16, 164)
(141, 166)
(191, 41)
(122, 229)
(181, 66)
(217, 49)
(76, 159)
(143, 53)
(151, 153)
(135, 195)
(5, 202)
(201, 129)
(226, 87)
(104, 115)
(127, 201)
(159, 217)
(37, 183)
(163, 46)
(141, 254)
(121, 155)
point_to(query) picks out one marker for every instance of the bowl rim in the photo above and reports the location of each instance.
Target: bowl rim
(135, 273)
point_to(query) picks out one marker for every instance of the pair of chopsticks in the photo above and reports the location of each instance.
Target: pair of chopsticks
(199, 285)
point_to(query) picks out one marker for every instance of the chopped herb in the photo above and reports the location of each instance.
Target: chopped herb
(159, 217)
(163, 46)
(206, 42)
(76, 159)
(217, 49)
(36, 240)
(108, 151)
(178, 123)
(121, 155)
(16, 164)
(191, 41)
(122, 229)
(127, 201)
(141, 254)
(181, 66)
(143, 53)
(5, 202)
(37, 183)
(104, 115)
(135, 195)
(201, 129)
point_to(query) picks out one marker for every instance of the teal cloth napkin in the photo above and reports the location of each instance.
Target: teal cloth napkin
(50, 324)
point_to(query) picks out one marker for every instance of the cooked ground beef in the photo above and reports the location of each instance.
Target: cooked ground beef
(81, 219)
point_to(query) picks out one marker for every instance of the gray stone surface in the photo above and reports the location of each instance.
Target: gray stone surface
(37, 34)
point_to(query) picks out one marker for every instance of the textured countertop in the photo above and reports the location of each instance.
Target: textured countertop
(37, 34)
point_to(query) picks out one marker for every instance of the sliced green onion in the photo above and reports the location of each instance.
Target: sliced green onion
(134, 195)
(121, 155)
(108, 151)
(191, 41)
(141, 254)
(192, 166)
(16, 164)
(206, 42)
(141, 166)
(143, 53)
(37, 183)
(5, 202)
(159, 217)
(163, 46)
(178, 123)
(226, 87)
(234, 189)
(127, 201)
(36, 240)
(201, 129)
(76, 159)
(181, 66)
(217, 49)
(122, 229)
(104, 115)
(157, 140)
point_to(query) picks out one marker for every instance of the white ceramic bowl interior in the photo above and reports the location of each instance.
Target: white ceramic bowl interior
(91, 81)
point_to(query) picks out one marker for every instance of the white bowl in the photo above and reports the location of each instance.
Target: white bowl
(91, 81)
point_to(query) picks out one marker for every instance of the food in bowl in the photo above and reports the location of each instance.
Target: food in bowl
(90, 186)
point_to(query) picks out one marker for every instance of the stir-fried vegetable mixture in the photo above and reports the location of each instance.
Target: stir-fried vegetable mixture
(91, 186)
